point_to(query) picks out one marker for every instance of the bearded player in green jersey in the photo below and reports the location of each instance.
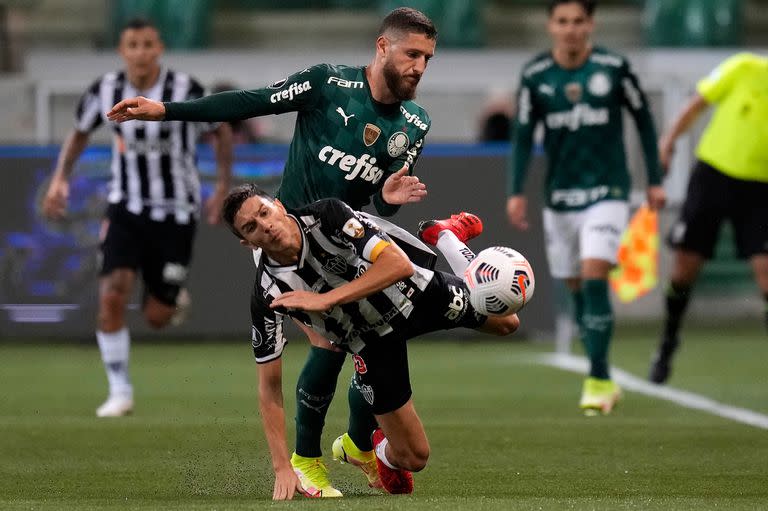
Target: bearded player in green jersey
(578, 92)
(357, 138)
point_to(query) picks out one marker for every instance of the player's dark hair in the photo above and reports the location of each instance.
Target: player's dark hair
(139, 23)
(408, 20)
(588, 5)
(234, 201)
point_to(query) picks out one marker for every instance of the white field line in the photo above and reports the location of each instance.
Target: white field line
(681, 397)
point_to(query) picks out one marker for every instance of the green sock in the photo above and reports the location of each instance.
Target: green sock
(578, 311)
(314, 392)
(361, 419)
(598, 325)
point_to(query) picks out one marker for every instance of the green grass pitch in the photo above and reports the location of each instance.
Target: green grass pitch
(505, 434)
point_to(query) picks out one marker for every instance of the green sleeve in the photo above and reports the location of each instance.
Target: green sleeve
(522, 141)
(637, 104)
(299, 91)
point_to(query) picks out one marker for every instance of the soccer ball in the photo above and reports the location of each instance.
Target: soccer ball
(500, 281)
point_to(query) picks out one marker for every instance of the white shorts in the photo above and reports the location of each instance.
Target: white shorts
(591, 233)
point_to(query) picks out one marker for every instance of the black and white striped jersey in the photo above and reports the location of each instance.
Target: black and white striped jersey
(338, 245)
(154, 166)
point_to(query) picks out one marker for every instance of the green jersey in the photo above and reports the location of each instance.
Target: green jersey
(345, 143)
(581, 110)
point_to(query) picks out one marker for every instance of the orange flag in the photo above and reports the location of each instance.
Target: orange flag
(637, 270)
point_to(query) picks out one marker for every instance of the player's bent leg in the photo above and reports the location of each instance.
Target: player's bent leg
(157, 314)
(401, 447)
(408, 445)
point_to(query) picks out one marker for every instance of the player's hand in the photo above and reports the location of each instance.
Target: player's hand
(657, 197)
(286, 485)
(55, 199)
(400, 188)
(138, 108)
(214, 205)
(303, 300)
(517, 212)
(666, 151)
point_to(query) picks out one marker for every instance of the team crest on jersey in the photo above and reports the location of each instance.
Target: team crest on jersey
(336, 265)
(397, 144)
(353, 228)
(371, 134)
(278, 83)
(573, 92)
(367, 392)
(599, 84)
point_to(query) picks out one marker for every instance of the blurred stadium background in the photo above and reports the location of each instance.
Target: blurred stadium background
(50, 50)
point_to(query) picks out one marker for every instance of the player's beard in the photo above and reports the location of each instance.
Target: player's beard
(401, 88)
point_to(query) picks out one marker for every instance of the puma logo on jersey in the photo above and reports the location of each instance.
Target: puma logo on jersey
(362, 167)
(346, 117)
(546, 89)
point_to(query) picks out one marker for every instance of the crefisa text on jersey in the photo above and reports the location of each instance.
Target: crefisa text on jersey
(293, 90)
(413, 119)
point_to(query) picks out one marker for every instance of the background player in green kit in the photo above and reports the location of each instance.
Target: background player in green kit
(358, 135)
(578, 92)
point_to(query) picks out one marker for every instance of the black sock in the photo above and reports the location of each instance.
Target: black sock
(677, 298)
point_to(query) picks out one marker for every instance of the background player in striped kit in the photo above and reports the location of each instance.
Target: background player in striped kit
(154, 199)
(357, 138)
(337, 272)
(578, 91)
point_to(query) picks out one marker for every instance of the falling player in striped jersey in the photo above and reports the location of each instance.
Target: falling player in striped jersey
(154, 199)
(358, 137)
(578, 92)
(337, 272)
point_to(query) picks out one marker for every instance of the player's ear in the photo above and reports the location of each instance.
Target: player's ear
(247, 244)
(382, 45)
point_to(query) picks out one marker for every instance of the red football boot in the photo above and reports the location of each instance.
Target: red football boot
(393, 480)
(464, 225)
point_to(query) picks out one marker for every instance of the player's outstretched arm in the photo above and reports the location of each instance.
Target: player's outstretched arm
(273, 420)
(501, 325)
(138, 108)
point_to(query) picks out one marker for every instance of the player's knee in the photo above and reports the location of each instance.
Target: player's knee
(503, 325)
(415, 458)
(157, 317)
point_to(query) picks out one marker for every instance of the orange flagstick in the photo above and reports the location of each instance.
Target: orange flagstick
(637, 270)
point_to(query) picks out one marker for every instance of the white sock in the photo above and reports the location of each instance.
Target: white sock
(455, 252)
(115, 347)
(382, 455)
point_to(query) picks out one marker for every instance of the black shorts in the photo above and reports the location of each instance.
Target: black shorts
(381, 367)
(713, 197)
(161, 251)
